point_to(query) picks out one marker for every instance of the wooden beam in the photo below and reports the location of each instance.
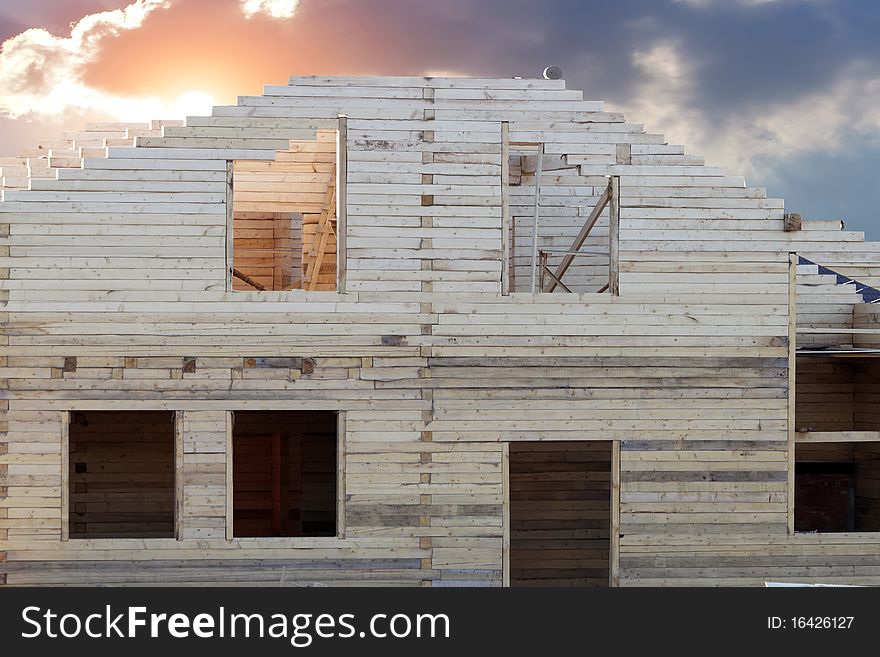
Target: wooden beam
(230, 509)
(836, 436)
(505, 514)
(537, 206)
(179, 419)
(580, 239)
(65, 475)
(513, 254)
(614, 237)
(556, 281)
(341, 203)
(792, 369)
(340, 474)
(791, 221)
(506, 228)
(614, 548)
(247, 279)
(230, 224)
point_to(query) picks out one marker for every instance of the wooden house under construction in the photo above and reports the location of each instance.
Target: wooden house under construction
(427, 332)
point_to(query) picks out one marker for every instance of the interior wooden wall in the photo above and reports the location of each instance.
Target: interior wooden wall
(861, 484)
(560, 513)
(268, 249)
(122, 474)
(867, 457)
(866, 409)
(306, 461)
(276, 210)
(826, 393)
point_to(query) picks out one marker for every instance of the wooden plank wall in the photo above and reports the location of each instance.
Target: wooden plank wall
(835, 491)
(203, 474)
(117, 299)
(866, 402)
(867, 493)
(826, 390)
(866, 318)
(268, 249)
(823, 304)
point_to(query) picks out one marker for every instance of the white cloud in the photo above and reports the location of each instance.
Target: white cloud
(273, 8)
(667, 100)
(43, 74)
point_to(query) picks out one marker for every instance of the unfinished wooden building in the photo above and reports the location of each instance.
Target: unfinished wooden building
(427, 332)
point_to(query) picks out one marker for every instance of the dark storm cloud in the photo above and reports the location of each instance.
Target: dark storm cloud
(746, 58)
(787, 91)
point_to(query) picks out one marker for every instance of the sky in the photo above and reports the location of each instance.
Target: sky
(785, 92)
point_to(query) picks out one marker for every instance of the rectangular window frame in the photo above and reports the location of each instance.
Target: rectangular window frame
(292, 541)
(614, 527)
(65, 418)
(819, 437)
(341, 225)
(539, 271)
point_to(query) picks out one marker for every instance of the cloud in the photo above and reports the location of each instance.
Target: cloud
(273, 8)
(667, 96)
(42, 74)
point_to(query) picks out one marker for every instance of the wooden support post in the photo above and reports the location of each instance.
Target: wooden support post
(556, 281)
(230, 224)
(505, 514)
(341, 203)
(506, 241)
(65, 475)
(791, 221)
(247, 279)
(543, 259)
(280, 250)
(539, 165)
(340, 475)
(792, 370)
(179, 419)
(614, 237)
(230, 422)
(614, 552)
(512, 254)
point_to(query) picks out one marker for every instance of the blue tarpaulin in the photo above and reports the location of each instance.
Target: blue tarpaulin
(869, 294)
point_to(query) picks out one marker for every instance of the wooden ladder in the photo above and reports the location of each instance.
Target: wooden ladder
(326, 228)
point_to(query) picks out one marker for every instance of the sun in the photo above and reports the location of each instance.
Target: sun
(194, 103)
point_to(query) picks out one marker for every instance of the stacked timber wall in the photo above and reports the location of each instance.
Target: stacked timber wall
(121, 267)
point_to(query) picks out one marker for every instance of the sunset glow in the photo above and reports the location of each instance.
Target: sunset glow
(784, 91)
(193, 103)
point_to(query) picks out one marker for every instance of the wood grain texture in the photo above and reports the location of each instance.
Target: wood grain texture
(115, 247)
